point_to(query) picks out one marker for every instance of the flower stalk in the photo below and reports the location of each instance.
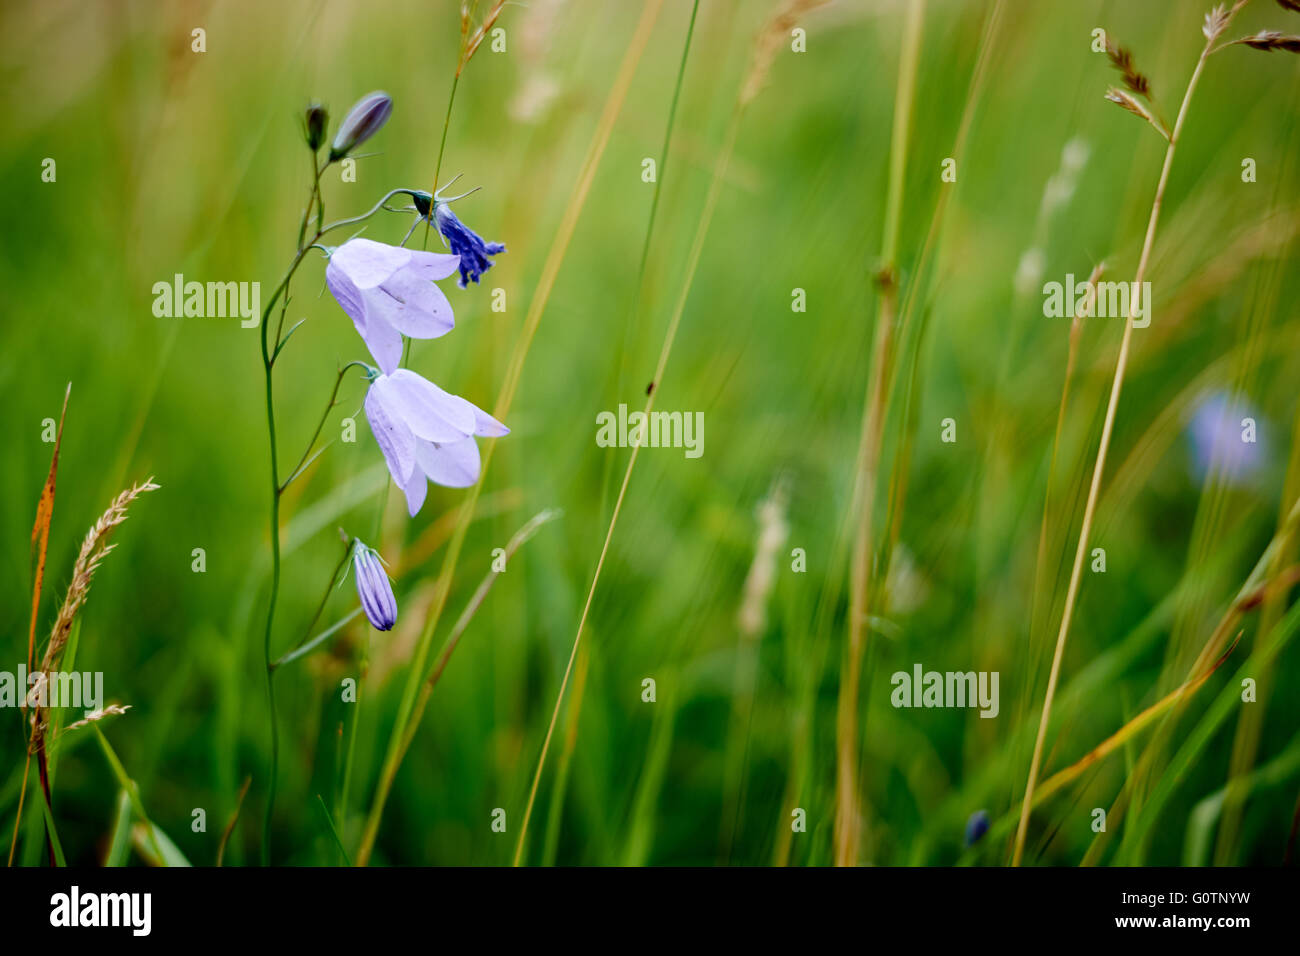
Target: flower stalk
(1099, 467)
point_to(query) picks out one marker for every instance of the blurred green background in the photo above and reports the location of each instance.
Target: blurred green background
(173, 161)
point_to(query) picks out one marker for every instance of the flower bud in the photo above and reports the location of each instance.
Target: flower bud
(362, 122)
(374, 588)
(314, 121)
(423, 202)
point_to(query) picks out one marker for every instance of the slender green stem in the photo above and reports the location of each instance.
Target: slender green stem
(342, 809)
(320, 199)
(353, 220)
(693, 261)
(329, 407)
(269, 356)
(848, 826)
(333, 830)
(270, 610)
(463, 622)
(308, 643)
(1099, 466)
(307, 646)
(654, 200)
(532, 320)
(442, 148)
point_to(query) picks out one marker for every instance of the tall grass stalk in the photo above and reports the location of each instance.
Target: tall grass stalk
(476, 600)
(537, 305)
(469, 44)
(1250, 722)
(559, 786)
(914, 300)
(1071, 359)
(692, 263)
(848, 821)
(1099, 468)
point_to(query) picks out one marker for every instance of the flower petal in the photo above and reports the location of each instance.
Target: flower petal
(345, 292)
(384, 341)
(474, 252)
(415, 488)
(391, 434)
(412, 305)
(368, 263)
(374, 589)
(485, 424)
(432, 265)
(429, 412)
(455, 465)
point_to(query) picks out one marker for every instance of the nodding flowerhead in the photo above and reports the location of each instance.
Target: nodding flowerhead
(388, 292)
(474, 251)
(373, 587)
(465, 242)
(426, 434)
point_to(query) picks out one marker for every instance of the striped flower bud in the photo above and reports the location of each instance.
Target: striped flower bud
(362, 122)
(373, 587)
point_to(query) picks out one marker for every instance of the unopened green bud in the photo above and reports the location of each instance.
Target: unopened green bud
(314, 121)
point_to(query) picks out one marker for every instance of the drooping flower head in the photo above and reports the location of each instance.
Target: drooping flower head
(388, 292)
(473, 250)
(425, 433)
(363, 121)
(463, 241)
(373, 587)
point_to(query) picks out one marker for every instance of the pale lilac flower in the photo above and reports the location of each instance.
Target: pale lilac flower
(388, 292)
(426, 434)
(1218, 439)
(363, 121)
(373, 587)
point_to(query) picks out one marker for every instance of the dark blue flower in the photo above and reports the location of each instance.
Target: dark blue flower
(465, 242)
(976, 826)
(373, 587)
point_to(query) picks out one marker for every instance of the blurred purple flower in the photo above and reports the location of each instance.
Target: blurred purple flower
(388, 291)
(976, 827)
(373, 587)
(426, 433)
(466, 243)
(1219, 439)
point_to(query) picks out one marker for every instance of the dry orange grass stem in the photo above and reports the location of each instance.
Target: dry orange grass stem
(94, 548)
(470, 40)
